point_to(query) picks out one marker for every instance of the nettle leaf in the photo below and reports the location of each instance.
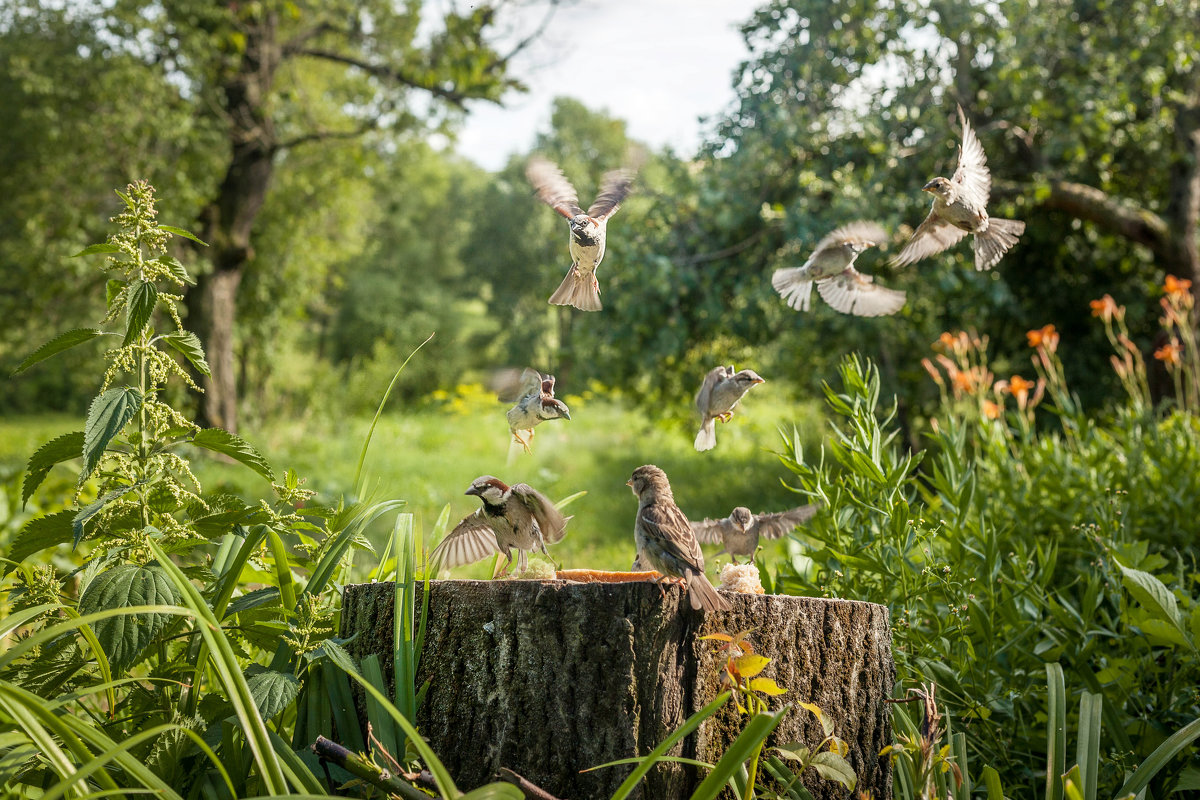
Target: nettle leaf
(141, 298)
(188, 343)
(271, 691)
(177, 270)
(37, 535)
(64, 341)
(181, 232)
(337, 654)
(1153, 595)
(254, 599)
(125, 637)
(224, 442)
(107, 416)
(114, 290)
(92, 249)
(55, 451)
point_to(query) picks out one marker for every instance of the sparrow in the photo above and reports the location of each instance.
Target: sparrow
(959, 208)
(718, 396)
(580, 287)
(740, 531)
(516, 516)
(533, 393)
(831, 267)
(665, 541)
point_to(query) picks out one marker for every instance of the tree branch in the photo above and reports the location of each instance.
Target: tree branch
(385, 72)
(531, 790)
(326, 135)
(356, 764)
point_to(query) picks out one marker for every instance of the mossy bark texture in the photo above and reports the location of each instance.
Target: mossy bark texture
(551, 677)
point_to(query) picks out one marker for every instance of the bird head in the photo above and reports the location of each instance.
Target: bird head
(741, 517)
(649, 478)
(582, 223)
(748, 378)
(939, 187)
(553, 408)
(491, 490)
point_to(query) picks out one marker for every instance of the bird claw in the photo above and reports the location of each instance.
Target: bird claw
(518, 439)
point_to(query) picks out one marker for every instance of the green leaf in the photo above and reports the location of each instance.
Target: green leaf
(272, 691)
(107, 416)
(113, 291)
(64, 341)
(254, 599)
(139, 305)
(125, 637)
(338, 655)
(832, 767)
(177, 270)
(188, 343)
(224, 442)
(55, 451)
(794, 751)
(92, 249)
(1153, 595)
(1175, 743)
(181, 232)
(89, 511)
(748, 743)
(36, 535)
(495, 791)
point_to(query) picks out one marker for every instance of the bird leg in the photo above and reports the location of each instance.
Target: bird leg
(507, 563)
(521, 440)
(728, 415)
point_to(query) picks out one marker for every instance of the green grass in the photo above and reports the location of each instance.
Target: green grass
(429, 456)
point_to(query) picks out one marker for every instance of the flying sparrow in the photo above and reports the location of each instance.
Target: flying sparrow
(665, 541)
(516, 516)
(718, 396)
(959, 208)
(533, 394)
(580, 287)
(740, 531)
(831, 266)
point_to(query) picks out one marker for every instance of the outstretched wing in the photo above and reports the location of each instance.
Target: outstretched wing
(972, 175)
(710, 531)
(615, 186)
(706, 388)
(549, 518)
(511, 385)
(552, 187)
(851, 292)
(932, 236)
(860, 232)
(471, 540)
(772, 526)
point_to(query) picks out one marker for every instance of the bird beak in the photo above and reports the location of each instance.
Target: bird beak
(760, 380)
(629, 483)
(472, 490)
(566, 414)
(929, 186)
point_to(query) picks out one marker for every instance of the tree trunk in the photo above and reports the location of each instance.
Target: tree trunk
(551, 677)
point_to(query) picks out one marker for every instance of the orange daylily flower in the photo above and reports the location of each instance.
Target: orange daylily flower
(1045, 336)
(1105, 308)
(1176, 287)
(992, 410)
(1019, 388)
(1170, 354)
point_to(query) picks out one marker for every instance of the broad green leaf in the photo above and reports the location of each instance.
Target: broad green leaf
(338, 655)
(832, 767)
(1153, 595)
(767, 686)
(272, 691)
(38, 534)
(64, 341)
(495, 791)
(795, 751)
(178, 271)
(140, 300)
(181, 232)
(55, 451)
(108, 414)
(125, 637)
(188, 343)
(224, 442)
(92, 249)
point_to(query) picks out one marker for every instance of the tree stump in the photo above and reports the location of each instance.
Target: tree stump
(550, 677)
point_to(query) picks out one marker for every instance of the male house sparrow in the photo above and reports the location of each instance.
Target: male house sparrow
(831, 266)
(516, 516)
(665, 541)
(740, 531)
(718, 395)
(959, 208)
(533, 393)
(580, 287)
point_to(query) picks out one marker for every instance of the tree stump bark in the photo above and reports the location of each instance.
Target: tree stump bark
(550, 677)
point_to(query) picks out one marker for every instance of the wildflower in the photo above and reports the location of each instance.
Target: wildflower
(1177, 287)
(992, 410)
(1045, 336)
(1106, 308)
(933, 373)
(1019, 388)
(1170, 353)
(957, 343)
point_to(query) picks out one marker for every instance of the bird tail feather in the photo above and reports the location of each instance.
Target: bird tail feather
(577, 289)
(701, 593)
(706, 439)
(992, 244)
(794, 291)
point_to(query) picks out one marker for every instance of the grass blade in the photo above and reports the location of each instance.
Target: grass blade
(1088, 754)
(991, 779)
(1162, 754)
(746, 745)
(1056, 731)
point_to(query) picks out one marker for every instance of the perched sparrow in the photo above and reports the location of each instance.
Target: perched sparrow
(512, 516)
(740, 531)
(831, 266)
(533, 393)
(665, 541)
(959, 208)
(580, 287)
(718, 395)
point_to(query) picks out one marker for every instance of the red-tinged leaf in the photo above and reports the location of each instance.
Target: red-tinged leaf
(750, 665)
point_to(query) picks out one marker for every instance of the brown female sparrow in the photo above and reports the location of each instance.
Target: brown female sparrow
(718, 396)
(516, 516)
(535, 403)
(831, 267)
(665, 541)
(740, 531)
(959, 208)
(580, 287)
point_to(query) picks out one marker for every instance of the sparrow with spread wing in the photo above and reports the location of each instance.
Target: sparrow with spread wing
(588, 231)
(665, 541)
(831, 267)
(741, 530)
(719, 394)
(516, 516)
(959, 208)
(533, 394)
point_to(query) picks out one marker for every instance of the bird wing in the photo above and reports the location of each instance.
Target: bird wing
(668, 526)
(932, 236)
(710, 531)
(705, 394)
(471, 540)
(851, 292)
(552, 187)
(772, 526)
(972, 175)
(549, 518)
(614, 187)
(511, 385)
(859, 232)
